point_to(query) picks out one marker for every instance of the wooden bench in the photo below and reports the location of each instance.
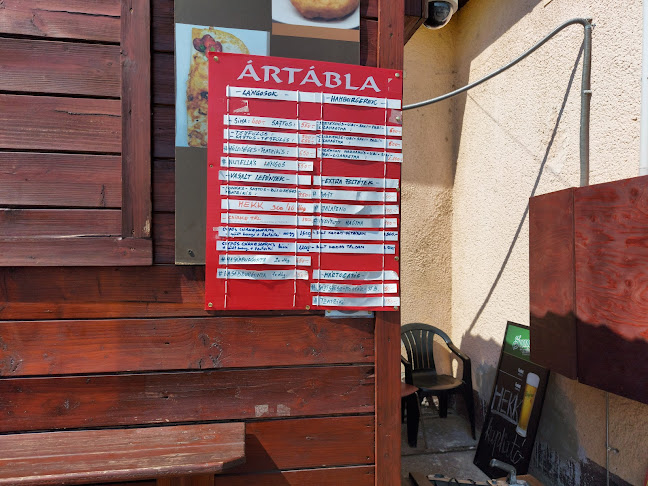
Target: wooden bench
(196, 452)
(104, 401)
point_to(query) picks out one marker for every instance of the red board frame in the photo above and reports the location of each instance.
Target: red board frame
(239, 88)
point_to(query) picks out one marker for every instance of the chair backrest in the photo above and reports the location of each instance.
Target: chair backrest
(418, 340)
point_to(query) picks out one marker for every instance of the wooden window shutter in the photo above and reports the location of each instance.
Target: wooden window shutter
(75, 133)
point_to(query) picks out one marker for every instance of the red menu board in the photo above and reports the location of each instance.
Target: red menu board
(303, 181)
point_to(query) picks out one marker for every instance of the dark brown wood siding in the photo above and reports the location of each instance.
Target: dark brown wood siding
(75, 76)
(92, 346)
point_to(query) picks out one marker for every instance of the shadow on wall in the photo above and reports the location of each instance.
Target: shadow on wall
(533, 191)
(495, 19)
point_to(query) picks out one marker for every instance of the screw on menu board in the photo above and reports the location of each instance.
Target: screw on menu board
(216, 58)
(398, 75)
(210, 305)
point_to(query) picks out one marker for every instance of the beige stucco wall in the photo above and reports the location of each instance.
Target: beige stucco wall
(471, 165)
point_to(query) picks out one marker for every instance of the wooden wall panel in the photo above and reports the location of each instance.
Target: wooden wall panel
(70, 19)
(163, 185)
(368, 42)
(163, 131)
(69, 251)
(369, 8)
(310, 442)
(164, 238)
(588, 257)
(164, 291)
(135, 64)
(105, 346)
(551, 282)
(390, 35)
(60, 67)
(611, 253)
(163, 78)
(60, 180)
(112, 400)
(389, 54)
(162, 25)
(17, 223)
(335, 476)
(108, 292)
(50, 123)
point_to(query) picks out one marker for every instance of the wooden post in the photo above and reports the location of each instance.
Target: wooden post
(387, 333)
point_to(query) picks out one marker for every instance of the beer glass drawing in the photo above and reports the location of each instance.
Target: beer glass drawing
(530, 389)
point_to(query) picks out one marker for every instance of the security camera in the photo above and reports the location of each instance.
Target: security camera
(438, 13)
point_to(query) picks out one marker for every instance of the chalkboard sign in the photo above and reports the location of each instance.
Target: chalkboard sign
(514, 412)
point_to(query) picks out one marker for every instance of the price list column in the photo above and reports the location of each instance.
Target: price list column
(265, 225)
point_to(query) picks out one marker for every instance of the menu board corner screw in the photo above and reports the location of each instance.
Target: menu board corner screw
(398, 75)
(308, 307)
(396, 258)
(210, 304)
(395, 307)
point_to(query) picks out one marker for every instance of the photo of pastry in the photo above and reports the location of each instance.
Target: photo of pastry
(193, 44)
(316, 14)
(325, 9)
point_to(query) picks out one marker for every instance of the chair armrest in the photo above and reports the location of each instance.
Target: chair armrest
(467, 367)
(456, 351)
(408, 371)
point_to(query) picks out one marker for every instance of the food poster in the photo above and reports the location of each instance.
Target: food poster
(295, 28)
(514, 412)
(303, 180)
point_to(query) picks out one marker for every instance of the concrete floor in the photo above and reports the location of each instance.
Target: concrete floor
(444, 446)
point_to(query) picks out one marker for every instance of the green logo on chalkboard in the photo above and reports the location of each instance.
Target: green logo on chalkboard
(517, 341)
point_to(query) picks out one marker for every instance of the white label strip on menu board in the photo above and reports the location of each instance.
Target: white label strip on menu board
(269, 219)
(264, 191)
(269, 150)
(286, 233)
(326, 301)
(259, 136)
(356, 182)
(350, 127)
(353, 248)
(264, 260)
(269, 164)
(235, 274)
(355, 235)
(356, 223)
(264, 177)
(260, 122)
(353, 275)
(330, 288)
(306, 96)
(342, 99)
(347, 154)
(256, 205)
(356, 209)
(261, 246)
(375, 196)
(301, 193)
(370, 142)
(262, 93)
(287, 247)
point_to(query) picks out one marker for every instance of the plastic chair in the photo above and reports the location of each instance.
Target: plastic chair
(420, 369)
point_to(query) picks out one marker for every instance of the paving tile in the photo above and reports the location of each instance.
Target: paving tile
(444, 446)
